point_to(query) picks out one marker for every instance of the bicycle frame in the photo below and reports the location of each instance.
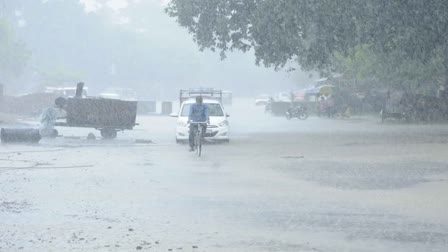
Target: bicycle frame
(198, 136)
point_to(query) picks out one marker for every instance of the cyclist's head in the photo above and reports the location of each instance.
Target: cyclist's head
(199, 99)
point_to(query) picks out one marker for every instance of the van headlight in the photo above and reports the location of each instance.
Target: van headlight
(224, 123)
(182, 124)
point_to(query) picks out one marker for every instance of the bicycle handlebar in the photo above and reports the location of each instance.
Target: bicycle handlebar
(198, 122)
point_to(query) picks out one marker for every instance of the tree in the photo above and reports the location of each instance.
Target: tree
(365, 69)
(311, 32)
(13, 54)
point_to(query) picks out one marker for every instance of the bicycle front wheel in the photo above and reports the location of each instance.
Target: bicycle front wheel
(199, 150)
(198, 143)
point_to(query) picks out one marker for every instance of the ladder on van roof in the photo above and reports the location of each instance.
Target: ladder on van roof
(209, 93)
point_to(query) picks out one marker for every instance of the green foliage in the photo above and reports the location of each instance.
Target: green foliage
(360, 65)
(13, 54)
(277, 30)
(364, 68)
(406, 39)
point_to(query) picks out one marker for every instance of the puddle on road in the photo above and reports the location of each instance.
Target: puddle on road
(366, 176)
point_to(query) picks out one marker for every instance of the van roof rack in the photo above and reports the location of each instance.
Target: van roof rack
(209, 93)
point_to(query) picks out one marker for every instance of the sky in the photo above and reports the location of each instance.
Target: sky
(116, 5)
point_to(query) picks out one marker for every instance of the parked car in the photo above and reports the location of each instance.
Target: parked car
(217, 130)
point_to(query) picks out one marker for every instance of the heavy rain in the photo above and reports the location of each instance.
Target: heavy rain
(238, 125)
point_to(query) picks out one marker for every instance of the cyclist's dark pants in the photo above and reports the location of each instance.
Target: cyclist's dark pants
(193, 129)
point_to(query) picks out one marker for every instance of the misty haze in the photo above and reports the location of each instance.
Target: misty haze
(208, 125)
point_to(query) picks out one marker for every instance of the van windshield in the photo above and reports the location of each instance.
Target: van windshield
(214, 109)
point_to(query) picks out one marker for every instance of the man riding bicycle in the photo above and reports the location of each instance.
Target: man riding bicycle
(198, 113)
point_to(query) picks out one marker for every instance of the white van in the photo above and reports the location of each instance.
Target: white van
(217, 130)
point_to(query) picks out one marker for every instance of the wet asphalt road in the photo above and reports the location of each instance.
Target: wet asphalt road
(314, 185)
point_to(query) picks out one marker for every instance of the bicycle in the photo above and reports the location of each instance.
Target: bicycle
(198, 137)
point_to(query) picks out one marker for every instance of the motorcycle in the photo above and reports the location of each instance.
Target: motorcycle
(298, 112)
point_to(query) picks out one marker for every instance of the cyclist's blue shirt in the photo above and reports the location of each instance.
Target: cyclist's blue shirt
(198, 113)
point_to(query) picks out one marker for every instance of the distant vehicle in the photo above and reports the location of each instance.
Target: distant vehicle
(262, 100)
(65, 91)
(109, 96)
(125, 94)
(299, 96)
(284, 97)
(299, 112)
(217, 130)
(100, 114)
